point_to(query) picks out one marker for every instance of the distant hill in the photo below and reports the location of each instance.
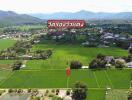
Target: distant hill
(11, 18)
(85, 15)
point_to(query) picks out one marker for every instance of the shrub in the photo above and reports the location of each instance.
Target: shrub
(100, 56)
(129, 95)
(47, 91)
(51, 95)
(57, 91)
(68, 92)
(75, 65)
(119, 64)
(79, 91)
(10, 90)
(97, 63)
(53, 91)
(29, 90)
(130, 50)
(16, 65)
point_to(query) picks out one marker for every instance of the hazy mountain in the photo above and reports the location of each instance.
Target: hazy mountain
(9, 17)
(84, 15)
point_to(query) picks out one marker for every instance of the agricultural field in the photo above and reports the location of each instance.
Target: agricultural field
(96, 94)
(64, 54)
(28, 27)
(4, 74)
(58, 79)
(50, 73)
(5, 43)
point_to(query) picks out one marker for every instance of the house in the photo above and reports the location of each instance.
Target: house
(122, 38)
(23, 66)
(121, 60)
(109, 59)
(85, 67)
(85, 43)
(36, 41)
(108, 65)
(108, 36)
(26, 57)
(130, 46)
(2, 36)
(116, 35)
(129, 65)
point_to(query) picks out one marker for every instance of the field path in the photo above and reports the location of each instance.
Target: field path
(96, 80)
(4, 80)
(109, 79)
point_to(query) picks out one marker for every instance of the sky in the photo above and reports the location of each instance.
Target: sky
(52, 6)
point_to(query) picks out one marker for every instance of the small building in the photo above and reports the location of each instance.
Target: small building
(26, 57)
(85, 43)
(108, 59)
(121, 60)
(85, 67)
(23, 66)
(129, 65)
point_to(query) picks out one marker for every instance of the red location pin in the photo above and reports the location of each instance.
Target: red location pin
(68, 71)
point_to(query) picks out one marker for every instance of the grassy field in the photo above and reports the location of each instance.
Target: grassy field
(50, 73)
(64, 54)
(5, 43)
(6, 61)
(4, 74)
(58, 79)
(96, 94)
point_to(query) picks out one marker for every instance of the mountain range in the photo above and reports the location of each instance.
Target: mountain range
(87, 15)
(11, 18)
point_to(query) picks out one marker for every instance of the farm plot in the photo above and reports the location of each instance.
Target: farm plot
(64, 54)
(50, 73)
(5, 43)
(4, 74)
(58, 79)
(96, 94)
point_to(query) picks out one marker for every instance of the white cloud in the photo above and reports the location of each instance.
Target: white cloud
(49, 6)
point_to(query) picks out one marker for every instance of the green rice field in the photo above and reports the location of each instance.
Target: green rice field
(5, 43)
(50, 73)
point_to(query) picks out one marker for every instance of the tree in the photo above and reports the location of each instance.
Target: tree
(130, 51)
(130, 95)
(79, 91)
(93, 64)
(97, 63)
(16, 65)
(129, 58)
(100, 56)
(119, 64)
(75, 65)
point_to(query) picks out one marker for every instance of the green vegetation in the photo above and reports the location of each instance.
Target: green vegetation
(50, 73)
(79, 91)
(6, 61)
(64, 54)
(4, 74)
(96, 94)
(58, 79)
(6, 43)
